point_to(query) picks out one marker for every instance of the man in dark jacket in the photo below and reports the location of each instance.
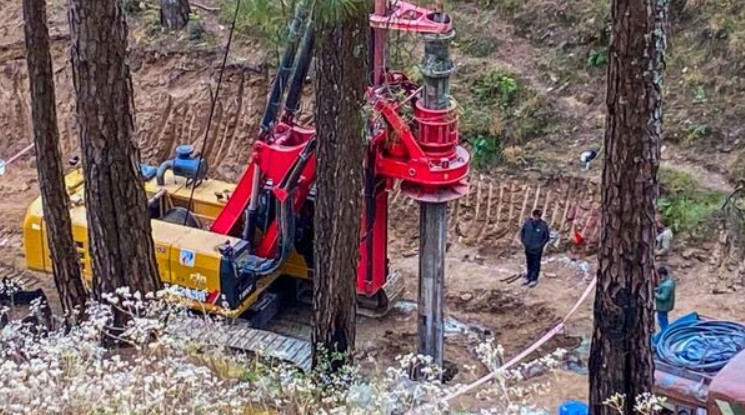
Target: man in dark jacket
(534, 235)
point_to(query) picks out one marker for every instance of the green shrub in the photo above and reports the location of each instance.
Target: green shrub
(685, 207)
(486, 150)
(597, 58)
(265, 19)
(195, 27)
(496, 88)
(691, 214)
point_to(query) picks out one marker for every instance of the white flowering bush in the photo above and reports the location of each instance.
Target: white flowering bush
(645, 404)
(154, 370)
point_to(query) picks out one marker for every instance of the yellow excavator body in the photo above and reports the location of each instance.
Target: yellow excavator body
(188, 258)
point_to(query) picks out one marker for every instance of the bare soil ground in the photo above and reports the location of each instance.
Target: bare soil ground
(172, 82)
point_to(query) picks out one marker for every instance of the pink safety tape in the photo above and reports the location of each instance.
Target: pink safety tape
(538, 343)
(19, 154)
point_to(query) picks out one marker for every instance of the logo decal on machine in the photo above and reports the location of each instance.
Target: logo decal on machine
(190, 293)
(186, 258)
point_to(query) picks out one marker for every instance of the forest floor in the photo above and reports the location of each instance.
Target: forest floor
(172, 79)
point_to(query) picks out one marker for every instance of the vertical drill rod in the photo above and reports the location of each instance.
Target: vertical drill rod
(436, 68)
(432, 238)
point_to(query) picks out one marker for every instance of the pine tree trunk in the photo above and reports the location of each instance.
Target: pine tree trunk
(66, 269)
(621, 360)
(119, 229)
(174, 14)
(341, 52)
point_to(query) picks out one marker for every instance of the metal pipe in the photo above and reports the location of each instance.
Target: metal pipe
(436, 67)
(253, 208)
(285, 68)
(160, 176)
(432, 237)
(292, 105)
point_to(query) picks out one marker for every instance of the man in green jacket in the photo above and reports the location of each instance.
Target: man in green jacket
(664, 295)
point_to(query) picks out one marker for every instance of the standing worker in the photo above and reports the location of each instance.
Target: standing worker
(534, 235)
(664, 295)
(664, 239)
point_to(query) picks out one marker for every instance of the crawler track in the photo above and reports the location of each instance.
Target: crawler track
(239, 336)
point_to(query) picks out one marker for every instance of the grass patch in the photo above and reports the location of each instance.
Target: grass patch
(501, 111)
(473, 37)
(686, 208)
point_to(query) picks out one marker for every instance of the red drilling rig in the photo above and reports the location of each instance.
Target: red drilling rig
(422, 153)
(243, 254)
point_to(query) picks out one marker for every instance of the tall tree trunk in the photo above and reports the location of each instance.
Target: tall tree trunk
(341, 47)
(119, 229)
(174, 14)
(56, 202)
(621, 360)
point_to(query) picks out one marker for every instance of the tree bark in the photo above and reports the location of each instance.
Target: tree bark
(56, 202)
(341, 51)
(174, 14)
(621, 360)
(119, 229)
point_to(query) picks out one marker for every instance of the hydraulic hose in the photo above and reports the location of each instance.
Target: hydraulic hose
(305, 56)
(704, 346)
(285, 67)
(259, 266)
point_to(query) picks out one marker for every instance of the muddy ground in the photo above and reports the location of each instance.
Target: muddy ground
(172, 86)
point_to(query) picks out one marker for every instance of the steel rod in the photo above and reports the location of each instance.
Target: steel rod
(432, 237)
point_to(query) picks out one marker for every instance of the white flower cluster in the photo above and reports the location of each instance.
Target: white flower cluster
(645, 404)
(162, 371)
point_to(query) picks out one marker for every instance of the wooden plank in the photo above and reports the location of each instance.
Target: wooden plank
(499, 208)
(484, 228)
(537, 198)
(547, 204)
(567, 204)
(521, 218)
(478, 202)
(557, 208)
(512, 204)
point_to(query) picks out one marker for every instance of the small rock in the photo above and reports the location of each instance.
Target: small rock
(466, 297)
(586, 98)
(534, 371)
(550, 275)
(664, 155)
(687, 253)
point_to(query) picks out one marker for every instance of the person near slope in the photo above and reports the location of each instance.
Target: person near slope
(534, 236)
(664, 294)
